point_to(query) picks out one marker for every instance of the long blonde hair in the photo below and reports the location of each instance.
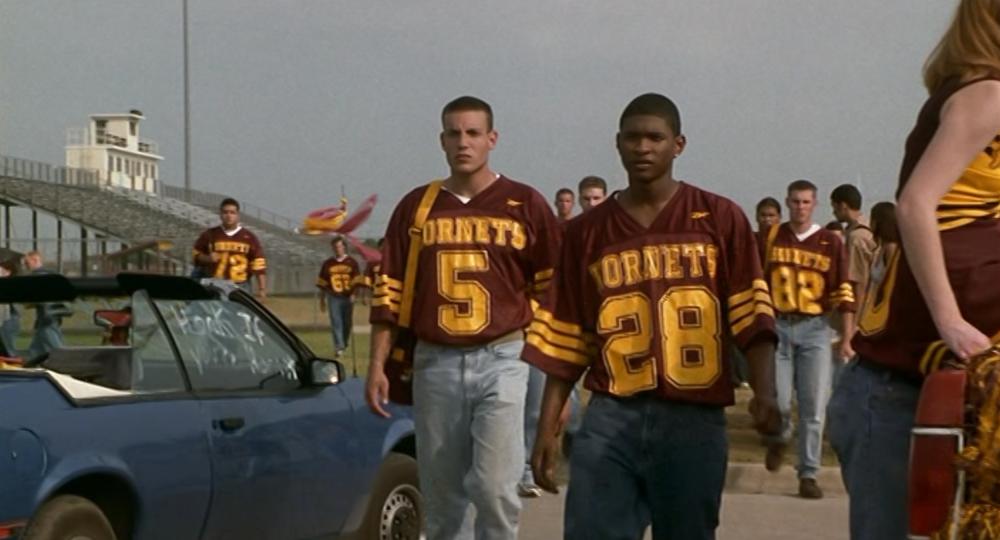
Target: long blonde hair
(970, 47)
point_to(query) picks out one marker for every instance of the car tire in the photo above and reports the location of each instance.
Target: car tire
(395, 509)
(69, 517)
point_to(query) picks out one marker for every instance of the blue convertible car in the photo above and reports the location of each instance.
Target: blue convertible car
(180, 410)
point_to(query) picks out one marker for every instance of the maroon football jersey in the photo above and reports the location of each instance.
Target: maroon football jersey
(371, 271)
(808, 277)
(241, 254)
(481, 264)
(895, 328)
(339, 277)
(655, 309)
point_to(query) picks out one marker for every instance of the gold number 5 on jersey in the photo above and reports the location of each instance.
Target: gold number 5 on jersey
(470, 312)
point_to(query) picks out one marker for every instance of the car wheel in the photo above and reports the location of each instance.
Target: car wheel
(69, 517)
(395, 510)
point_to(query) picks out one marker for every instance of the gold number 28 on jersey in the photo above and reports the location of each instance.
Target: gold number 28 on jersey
(687, 319)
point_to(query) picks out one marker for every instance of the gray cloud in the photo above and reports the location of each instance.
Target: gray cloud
(292, 99)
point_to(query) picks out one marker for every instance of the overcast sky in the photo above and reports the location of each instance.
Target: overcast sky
(290, 99)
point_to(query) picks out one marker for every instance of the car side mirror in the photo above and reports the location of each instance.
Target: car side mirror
(323, 372)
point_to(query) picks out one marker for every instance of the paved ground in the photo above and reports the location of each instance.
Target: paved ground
(744, 517)
(757, 505)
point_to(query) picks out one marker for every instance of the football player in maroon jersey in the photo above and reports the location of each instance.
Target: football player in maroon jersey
(592, 191)
(339, 278)
(564, 204)
(806, 268)
(487, 249)
(940, 293)
(654, 287)
(231, 252)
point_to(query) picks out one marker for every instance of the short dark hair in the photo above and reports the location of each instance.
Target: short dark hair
(592, 182)
(802, 185)
(847, 194)
(338, 239)
(229, 201)
(769, 201)
(884, 227)
(834, 226)
(565, 190)
(468, 103)
(653, 105)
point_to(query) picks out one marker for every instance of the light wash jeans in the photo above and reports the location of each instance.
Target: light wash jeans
(9, 330)
(532, 412)
(47, 337)
(871, 415)
(468, 408)
(803, 365)
(643, 460)
(341, 312)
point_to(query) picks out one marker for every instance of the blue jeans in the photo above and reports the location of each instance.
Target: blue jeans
(643, 459)
(575, 411)
(871, 415)
(803, 365)
(468, 408)
(9, 331)
(532, 412)
(47, 337)
(341, 312)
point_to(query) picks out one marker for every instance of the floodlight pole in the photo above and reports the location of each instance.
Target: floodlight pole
(187, 108)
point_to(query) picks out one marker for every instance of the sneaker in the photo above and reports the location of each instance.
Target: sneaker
(809, 489)
(775, 456)
(528, 491)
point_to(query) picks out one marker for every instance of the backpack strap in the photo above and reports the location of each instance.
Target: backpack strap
(771, 235)
(413, 255)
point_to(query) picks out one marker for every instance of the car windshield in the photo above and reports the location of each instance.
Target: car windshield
(119, 346)
(227, 346)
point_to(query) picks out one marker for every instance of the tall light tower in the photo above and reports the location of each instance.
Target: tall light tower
(187, 109)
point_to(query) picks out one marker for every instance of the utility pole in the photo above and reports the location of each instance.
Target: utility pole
(187, 109)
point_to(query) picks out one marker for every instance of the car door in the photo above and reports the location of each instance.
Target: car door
(282, 450)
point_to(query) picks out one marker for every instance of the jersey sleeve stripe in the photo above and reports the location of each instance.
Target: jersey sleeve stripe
(395, 298)
(555, 338)
(382, 280)
(929, 353)
(740, 311)
(258, 264)
(742, 324)
(358, 280)
(758, 285)
(553, 351)
(548, 318)
(383, 289)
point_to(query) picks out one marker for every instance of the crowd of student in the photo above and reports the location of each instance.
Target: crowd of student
(647, 296)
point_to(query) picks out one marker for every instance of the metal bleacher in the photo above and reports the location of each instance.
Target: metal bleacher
(131, 216)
